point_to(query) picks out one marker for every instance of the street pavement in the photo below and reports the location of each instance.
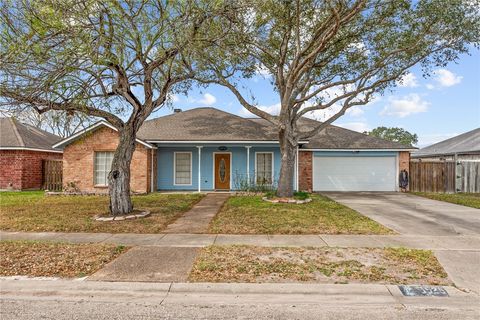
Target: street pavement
(61, 299)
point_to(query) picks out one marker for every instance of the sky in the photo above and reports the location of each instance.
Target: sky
(435, 108)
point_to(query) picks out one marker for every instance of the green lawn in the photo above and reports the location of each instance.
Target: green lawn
(464, 199)
(251, 215)
(33, 211)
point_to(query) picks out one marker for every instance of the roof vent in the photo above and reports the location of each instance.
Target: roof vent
(177, 110)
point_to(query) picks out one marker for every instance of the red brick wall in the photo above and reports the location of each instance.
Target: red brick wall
(305, 171)
(78, 161)
(22, 169)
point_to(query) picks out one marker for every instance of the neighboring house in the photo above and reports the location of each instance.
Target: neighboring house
(465, 146)
(208, 149)
(22, 151)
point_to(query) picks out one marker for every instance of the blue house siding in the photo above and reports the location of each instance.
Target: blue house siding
(165, 165)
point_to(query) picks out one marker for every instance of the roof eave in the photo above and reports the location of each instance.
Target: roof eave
(66, 141)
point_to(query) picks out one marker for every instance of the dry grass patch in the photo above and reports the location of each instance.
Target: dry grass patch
(54, 259)
(464, 199)
(33, 211)
(320, 265)
(251, 215)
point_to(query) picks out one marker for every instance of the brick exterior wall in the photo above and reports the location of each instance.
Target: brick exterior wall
(404, 162)
(23, 169)
(305, 182)
(78, 162)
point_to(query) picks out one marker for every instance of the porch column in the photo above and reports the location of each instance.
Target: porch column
(199, 168)
(248, 163)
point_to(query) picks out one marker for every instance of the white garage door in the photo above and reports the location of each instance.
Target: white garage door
(354, 173)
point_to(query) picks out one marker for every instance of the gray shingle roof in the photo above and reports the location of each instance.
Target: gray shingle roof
(14, 134)
(203, 124)
(464, 143)
(210, 124)
(334, 137)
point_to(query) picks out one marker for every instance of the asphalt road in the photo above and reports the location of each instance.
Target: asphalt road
(30, 299)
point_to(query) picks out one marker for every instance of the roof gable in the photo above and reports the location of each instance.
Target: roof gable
(14, 134)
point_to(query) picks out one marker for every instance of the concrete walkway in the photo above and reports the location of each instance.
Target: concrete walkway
(149, 264)
(197, 219)
(438, 243)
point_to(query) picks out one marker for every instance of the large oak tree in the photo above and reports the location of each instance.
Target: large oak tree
(331, 55)
(114, 59)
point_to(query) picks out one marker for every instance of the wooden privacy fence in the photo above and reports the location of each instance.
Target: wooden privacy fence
(445, 176)
(52, 175)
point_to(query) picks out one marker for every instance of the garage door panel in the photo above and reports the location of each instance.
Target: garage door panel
(354, 173)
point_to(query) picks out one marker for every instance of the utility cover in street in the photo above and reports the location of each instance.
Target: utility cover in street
(423, 291)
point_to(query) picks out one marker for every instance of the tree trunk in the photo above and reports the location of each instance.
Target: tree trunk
(287, 170)
(119, 176)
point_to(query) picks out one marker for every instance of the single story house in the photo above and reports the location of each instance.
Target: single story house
(465, 146)
(207, 149)
(22, 151)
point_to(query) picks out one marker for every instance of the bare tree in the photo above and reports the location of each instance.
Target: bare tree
(113, 59)
(60, 123)
(331, 55)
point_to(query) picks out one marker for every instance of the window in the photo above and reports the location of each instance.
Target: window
(183, 168)
(103, 164)
(264, 167)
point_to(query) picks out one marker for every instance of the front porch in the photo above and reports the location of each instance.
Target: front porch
(220, 167)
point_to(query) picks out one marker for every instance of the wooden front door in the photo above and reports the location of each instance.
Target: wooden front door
(222, 171)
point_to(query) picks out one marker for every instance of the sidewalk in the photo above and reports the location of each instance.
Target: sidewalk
(197, 219)
(437, 243)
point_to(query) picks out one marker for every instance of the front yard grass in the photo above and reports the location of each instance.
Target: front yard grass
(320, 265)
(464, 199)
(251, 215)
(54, 259)
(33, 211)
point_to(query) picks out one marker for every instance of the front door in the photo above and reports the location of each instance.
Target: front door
(222, 171)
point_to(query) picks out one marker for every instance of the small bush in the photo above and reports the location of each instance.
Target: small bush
(301, 195)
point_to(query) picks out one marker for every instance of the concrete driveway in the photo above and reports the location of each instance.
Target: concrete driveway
(409, 214)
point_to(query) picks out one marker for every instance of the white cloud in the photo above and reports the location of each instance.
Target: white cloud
(446, 78)
(272, 109)
(355, 126)
(443, 78)
(409, 80)
(263, 71)
(208, 99)
(173, 97)
(405, 106)
(355, 111)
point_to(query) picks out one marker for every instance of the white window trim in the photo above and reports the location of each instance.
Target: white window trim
(175, 168)
(95, 185)
(213, 176)
(273, 164)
